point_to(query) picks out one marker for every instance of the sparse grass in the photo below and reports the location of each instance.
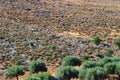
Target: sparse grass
(42, 25)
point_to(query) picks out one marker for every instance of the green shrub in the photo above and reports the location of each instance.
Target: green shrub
(105, 35)
(53, 46)
(85, 58)
(36, 66)
(109, 52)
(100, 73)
(40, 76)
(90, 75)
(71, 61)
(32, 78)
(90, 64)
(44, 76)
(96, 73)
(117, 69)
(18, 62)
(14, 71)
(117, 42)
(115, 58)
(62, 55)
(31, 44)
(109, 60)
(82, 73)
(110, 67)
(66, 73)
(106, 60)
(96, 40)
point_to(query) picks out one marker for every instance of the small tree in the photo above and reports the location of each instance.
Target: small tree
(96, 40)
(14, 71)
(36, 66)
(117, 42)
(66, 73)
(71, 61)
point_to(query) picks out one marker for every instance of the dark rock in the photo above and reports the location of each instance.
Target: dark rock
(100, 56)
(13, 0)
(106, 45)
(1, 37)
(27, 9)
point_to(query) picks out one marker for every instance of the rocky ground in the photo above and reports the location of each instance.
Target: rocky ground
(51, 29)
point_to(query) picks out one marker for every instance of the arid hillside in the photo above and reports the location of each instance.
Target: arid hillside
(51, 29)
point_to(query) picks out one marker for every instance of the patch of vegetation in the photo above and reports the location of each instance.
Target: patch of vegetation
(85, 58)
(117, 69)
(44, 76)
(66, 73)
(30, 33)
(109, 53)
(18, 62)
(97, 40)
(53, 46)
(99, 70)
(110, 67)
(82, 73)
(14, 71)
(36, 66)
(96, 73)
(32, 78)
(90, 64)
(71, 61)
(117, 42)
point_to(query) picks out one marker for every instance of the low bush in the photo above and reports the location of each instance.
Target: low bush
(117, 42)
(36, 66)
(18, 62)
(109, 60)
(106, 60)
(66, 73)
(109, 53)
(96, 40)
(32, 78)
(14, 71)
(110, 67)
(115, 58)
(117, 69)
(90, 75)
(96, 73)
(44, 76)
(100, 73)
(82, 73)
(71, 61)
(85, 58)
(90, 64)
